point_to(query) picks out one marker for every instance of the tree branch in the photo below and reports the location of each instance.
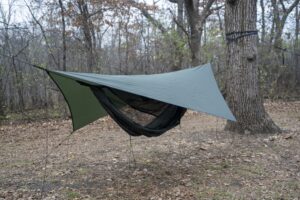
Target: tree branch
(43, 33)
(181, 27)
(146, 14)
(283, 6)
(295, 3)
(207, 11)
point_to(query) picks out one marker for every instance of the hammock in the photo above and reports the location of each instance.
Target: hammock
(146, 105)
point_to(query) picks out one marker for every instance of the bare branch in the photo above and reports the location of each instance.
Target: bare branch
(180, 26)
(43, 33)
(146, 14)
(283, 6)
(291, 8)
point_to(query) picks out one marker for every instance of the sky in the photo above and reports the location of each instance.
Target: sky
(19, 10)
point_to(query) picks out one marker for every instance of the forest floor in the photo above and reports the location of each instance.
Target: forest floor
(197, 160)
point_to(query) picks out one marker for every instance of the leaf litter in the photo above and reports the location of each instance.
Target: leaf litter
(197, 160)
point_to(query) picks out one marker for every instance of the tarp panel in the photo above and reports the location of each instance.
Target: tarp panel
(83, 105)
(193, 88)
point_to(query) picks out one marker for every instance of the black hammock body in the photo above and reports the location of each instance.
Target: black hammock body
(166, 116)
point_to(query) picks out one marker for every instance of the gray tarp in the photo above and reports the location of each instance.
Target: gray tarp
(193, 88)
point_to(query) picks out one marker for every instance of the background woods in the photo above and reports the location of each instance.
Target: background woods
(131, 37)
(254, 49)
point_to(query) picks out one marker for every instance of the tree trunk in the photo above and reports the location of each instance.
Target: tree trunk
(180, 7)
(272, 32)
(220, 20)
(62, 11)
(297, 31)
(88, 31)
(242, 80)
(195, 31)
(263, 22)
(278, 34)
(127, 48)
(179, 55)
(119, 47)
(176, 62)
(196, 21)
(2, 95)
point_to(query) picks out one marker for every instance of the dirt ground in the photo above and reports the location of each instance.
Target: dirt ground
(197, 160)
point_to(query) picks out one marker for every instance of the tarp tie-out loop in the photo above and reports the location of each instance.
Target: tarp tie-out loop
(235, 35)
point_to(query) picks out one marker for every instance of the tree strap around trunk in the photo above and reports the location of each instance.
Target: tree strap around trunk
(235, 35)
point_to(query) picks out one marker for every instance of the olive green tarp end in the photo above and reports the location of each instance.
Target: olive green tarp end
(166, 96)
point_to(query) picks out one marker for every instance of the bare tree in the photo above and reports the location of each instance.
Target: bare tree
(36, 20)
(88, 31)
(263, 21)
(242, 86)
(63, 22)
(297, 45)
(179, 20)
(281, 13)
(196, 21)
(11, 75)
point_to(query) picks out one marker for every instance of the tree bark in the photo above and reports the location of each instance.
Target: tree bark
(180, 8)
(220, 20)
(88, 31)
(192, 10)
(2, 95)
(196, 21)
(62, 11)
(179, 55)
(179, 21)
(272, 33)
(242, 80)
(263, 21)
(297, 48)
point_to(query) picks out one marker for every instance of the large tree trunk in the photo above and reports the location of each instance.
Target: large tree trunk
(297, 46)
(242, 80)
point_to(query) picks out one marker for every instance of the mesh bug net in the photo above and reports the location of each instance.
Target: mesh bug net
(138, 115)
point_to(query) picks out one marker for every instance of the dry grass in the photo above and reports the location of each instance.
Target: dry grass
(195, 161)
